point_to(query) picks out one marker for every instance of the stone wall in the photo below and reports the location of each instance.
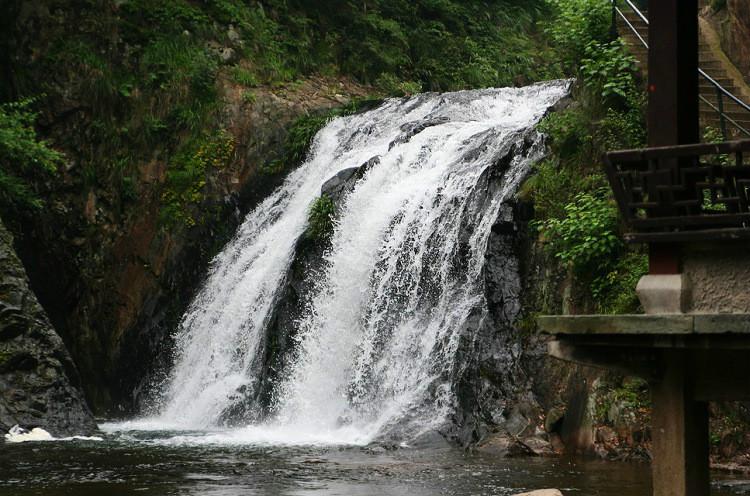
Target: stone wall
(718, 275)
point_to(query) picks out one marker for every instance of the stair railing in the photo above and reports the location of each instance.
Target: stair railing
(721, 92)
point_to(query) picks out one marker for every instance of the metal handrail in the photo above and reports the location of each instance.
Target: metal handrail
(720, 89)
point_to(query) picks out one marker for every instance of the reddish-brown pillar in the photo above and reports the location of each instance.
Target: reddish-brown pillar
(673, 93)
(680, 424)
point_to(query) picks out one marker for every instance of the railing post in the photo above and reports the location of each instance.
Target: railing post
(722, 118)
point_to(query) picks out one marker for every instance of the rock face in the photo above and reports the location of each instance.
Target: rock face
(736, 39)
(39, 384)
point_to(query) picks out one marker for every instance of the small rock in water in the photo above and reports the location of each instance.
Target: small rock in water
(18, 434)
(542, 492)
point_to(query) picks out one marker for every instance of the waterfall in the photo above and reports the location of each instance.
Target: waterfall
(378, 345)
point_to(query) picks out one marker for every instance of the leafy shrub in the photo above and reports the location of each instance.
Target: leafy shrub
(24, 158)
(552, 186)
(587, 237)
(609, 70)
(614, 291)
(578, 23)
(621, 129)
(320, 220)
(569, 133)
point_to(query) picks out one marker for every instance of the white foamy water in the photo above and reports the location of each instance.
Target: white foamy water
(378, 344)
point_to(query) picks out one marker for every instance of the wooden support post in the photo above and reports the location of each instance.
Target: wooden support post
(673, 107)
(680, 432)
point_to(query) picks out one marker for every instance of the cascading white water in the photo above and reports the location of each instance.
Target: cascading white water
(378, 343)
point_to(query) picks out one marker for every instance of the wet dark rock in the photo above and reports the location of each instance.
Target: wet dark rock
(291, 303)
(493, 392)
(39, 384)
(413, 128)
(504, 445)
(343, 183)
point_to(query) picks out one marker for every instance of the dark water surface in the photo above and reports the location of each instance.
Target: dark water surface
(140, 464)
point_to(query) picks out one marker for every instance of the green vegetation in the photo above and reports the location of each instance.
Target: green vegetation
(717, 5)
(23, 156)
(575, 25)
(393, 43)
(244, 77)
(576, 216)
(586, 235)
(621, 400)
(609, 69)
(140, 81)
(186, 178)
(320, 220)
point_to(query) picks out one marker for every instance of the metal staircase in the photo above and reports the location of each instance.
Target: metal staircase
(720, 105)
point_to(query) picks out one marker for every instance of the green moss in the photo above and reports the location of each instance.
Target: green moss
(320, 219)
(630, 394)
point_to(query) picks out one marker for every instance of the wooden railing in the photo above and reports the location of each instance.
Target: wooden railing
(683, 193)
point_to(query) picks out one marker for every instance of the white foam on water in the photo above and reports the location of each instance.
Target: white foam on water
(18, 434)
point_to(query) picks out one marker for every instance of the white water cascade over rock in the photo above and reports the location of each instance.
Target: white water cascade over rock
(387, 317)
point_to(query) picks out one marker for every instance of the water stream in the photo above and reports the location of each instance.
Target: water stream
(378, 343)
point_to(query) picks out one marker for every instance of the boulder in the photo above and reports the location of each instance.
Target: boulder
(39, 384)
(338, 186)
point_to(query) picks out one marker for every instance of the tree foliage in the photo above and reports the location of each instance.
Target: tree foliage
(24, 158)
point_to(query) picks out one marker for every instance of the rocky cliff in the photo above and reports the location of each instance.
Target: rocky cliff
(734, 23)
(116, 286)
(39, 383)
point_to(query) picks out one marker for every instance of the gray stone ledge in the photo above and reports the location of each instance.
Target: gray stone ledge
(662, 324)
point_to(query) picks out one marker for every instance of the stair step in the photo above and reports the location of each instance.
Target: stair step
(737, 116)
(731, 109)
(708, 61)
(712, 65)
(724, 81)
(716, 74)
